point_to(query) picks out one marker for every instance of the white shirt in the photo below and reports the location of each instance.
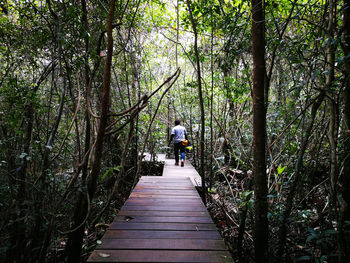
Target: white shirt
(179, 133)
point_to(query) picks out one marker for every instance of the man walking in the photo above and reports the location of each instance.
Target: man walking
(179, 134)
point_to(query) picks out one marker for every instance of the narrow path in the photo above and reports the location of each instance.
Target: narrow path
(164, 220)
(188, 171)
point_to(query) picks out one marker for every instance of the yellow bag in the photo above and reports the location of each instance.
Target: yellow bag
(184, 142)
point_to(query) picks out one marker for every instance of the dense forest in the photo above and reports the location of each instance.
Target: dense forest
(263, 88)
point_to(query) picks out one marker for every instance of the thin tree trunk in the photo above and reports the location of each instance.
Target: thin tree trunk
(95, 170)
(259, 134)
(177, 33)
(332, 104)
(75, 238)
(345, 196)
(201, 103)
(211, 179)
(242, 221)
(333, 125)
(282, 232)
(74, 256)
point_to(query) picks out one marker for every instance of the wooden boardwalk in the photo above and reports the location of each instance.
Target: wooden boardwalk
(164, 220)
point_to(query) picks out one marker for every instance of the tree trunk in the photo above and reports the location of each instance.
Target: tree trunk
(177, 32)
(332, 101)
(201, 103)
(95, 170)
(243, 211)
(346, 179)
(345, 211)
(259, 134)
(92, 181)
(75, 238)
(211, 175)
(282, 232)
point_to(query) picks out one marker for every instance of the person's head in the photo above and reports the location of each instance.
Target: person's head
(177, 122)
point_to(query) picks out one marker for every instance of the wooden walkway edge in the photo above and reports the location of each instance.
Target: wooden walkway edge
(164, 220)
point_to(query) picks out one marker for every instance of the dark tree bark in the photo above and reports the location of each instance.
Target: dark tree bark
(347, 101)
(211, 174)
(259, 133)
(74, 256)
(75, 239)
(345, 209)
(104, 105)
(332, 98)
(201, 103)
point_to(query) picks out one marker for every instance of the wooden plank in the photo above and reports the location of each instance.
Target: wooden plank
(179, 184)
(179, 208)
(164, 183)
(167, 199)
(168, 192)
(167, 187)
(174, 196)
(173, 244)
(163, 213)
(162, 226)
(163, 179)
(167, 181)
(169, 202)
(159, 256)
(165, 202)
(164, 219)
(132, 234)
(186, 181)
(165, 191)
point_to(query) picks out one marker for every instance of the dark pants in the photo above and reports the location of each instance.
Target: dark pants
(179, 147)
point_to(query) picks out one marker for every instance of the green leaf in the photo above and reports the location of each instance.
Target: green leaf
(280, 169)
(110, 170)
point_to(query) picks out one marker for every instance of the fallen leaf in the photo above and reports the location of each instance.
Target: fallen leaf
(103, 255)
